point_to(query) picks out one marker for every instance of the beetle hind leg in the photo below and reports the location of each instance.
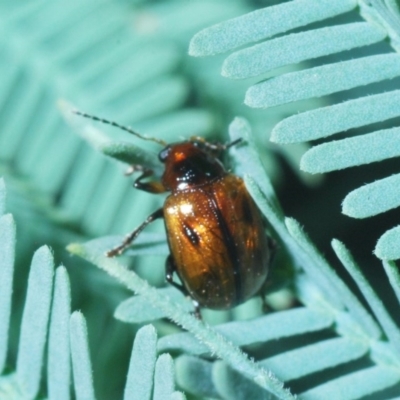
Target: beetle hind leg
(134, 234)
(169, 275)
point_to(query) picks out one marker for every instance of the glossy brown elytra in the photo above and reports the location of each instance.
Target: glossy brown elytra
(217, 240)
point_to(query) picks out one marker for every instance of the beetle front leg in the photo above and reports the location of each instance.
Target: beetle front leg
(152, 186)
(134, 234)
(169, 276)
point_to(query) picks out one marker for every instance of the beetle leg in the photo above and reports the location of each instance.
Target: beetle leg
(169, 275)
(273, 247)
(134, 234)
(151, 187)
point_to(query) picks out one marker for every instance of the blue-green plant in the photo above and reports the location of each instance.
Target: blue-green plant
(360, 109)
(47, 322)
(311, 68)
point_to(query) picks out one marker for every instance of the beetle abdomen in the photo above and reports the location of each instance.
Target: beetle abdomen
(218, 242)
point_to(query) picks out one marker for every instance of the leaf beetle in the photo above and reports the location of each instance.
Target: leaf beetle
(218, 245)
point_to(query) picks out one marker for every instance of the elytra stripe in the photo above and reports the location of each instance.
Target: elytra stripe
(230, 247)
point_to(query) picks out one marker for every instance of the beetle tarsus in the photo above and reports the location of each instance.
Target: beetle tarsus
(114, 252)
(196, 312)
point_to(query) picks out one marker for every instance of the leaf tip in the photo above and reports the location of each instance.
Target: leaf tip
(76, 317)
(291, 222)
(45, 252)
(228, 69)
(388, 248)
(148, 330)
(199, 44)
(340, 249)
(336, 244)
(310, 162)
(250, 98)
(350, 206)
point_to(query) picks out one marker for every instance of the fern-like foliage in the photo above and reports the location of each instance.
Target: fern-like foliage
(47, 322)
(361, 110)
(342, 349)
(116, 59)
(126, 61)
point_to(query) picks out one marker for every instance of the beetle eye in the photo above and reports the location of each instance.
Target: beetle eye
(163, 154)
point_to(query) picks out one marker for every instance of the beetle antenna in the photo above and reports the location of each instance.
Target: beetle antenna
(122, 127)
(233, 143)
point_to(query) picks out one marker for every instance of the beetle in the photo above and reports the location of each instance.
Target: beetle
(216, 236)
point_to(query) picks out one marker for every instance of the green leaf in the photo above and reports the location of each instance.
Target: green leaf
(388, 246)
(394, 277)
(194, 375)
(232, 385)
(34, 322)
(58, 364)
(356, 385)
(264, 23)
(327, 278)
(326, 121)
(323, 80)
(248, 160)
(142, 364)
(313, 263)
(7, 256)
(117, 72)
(81, 365)
(261, 58)
(137, 310)
(381, 314)
(324, 354)
(329, 77)
(60, 59)
(177, 396)
(372, 199)
(383, 13)
(215, 342)
(9, 388)
(351, 152)
(263, 329)
(164, 377)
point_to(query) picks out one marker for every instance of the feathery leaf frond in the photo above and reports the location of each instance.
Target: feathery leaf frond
(317, 81)
(334, 331)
